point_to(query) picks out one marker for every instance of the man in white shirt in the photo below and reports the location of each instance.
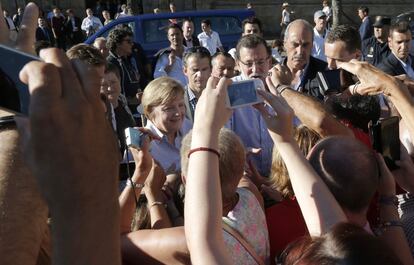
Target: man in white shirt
(209, 38)
(90, 23)
(169, 60)
(319, 34)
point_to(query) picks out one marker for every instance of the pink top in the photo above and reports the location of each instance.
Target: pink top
(249, 220)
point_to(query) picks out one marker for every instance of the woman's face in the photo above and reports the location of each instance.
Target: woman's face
(169, 117)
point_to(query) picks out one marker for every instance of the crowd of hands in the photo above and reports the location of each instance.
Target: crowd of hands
(69, 147)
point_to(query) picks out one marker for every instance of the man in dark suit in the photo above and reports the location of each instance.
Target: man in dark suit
(73, 28)
(298, 43)
(43, 32)
(365, 30)
(189, 40)
(399, 61)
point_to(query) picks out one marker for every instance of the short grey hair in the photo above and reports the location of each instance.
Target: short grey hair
(304, 22)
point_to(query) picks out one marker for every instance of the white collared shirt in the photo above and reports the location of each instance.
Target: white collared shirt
(211, 42)
(318, 49)
(162, 151)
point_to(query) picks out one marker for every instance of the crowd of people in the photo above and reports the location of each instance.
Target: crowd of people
(292, 180)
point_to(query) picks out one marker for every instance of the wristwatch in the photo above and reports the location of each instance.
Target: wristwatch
(7, 121)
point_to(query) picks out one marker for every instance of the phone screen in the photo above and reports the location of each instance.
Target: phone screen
(11, 63)
(244, 93)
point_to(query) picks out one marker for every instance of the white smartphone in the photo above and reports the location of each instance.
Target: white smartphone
(244, 93)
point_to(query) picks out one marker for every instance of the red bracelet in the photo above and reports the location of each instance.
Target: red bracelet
(204, 149)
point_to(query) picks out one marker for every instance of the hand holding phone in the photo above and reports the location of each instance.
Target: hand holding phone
(334, 81)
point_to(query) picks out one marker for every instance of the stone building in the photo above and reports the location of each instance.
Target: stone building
(268, 11)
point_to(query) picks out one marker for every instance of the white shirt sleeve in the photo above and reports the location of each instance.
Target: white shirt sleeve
(162, 62)
(84, 25)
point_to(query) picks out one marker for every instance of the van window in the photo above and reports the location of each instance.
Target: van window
(223, 25)
(155, 29)
(130, 25)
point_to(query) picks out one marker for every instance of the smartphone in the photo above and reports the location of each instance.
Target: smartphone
(334, 81)
(126, 170)
(386, 140)
(134, 137)
(244, 93)
(11, 63)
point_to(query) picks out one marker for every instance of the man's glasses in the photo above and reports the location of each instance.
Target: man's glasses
(259, 63)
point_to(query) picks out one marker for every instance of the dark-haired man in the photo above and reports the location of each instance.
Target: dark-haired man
(169, 60)
(197, 68)
(209, 38)
(120, 43)
(365, 30)
(223, 65)
(375, 49)
(399, 61)
(189, 40)
(251, 25)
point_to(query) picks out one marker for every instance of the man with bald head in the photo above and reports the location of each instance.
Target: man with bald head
(350, 170)
(298, 43)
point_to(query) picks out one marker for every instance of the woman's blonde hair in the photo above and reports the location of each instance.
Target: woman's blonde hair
(160, 91)
(279, 176)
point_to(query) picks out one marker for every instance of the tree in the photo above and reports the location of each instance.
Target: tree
(336, 12)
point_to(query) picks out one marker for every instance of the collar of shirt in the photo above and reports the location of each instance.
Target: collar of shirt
(156, 131)
(407, 66)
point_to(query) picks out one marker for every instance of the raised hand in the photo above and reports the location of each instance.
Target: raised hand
(212, 112)
(280, 125)
(372, 80)
(26, 37)
(281, 75)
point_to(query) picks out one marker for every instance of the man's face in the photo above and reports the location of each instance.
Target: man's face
(198, 71)
(188, 29)
(89, 12)
(111, 87)
(337, 52)
(56, 12)
(251, 29)
(172, 8)
(400, 44)
(125, 47)
(381, 33)
(223, 66)
(298, 46)
(175, 36)
(205, 28)
(361, 14)
(41, 22)
(254, 62)
(320, 23)
(106, 15)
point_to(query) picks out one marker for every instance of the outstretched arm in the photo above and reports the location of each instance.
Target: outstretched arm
(203, 207)
(319, 208)
(77, 172)
(309, 111)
